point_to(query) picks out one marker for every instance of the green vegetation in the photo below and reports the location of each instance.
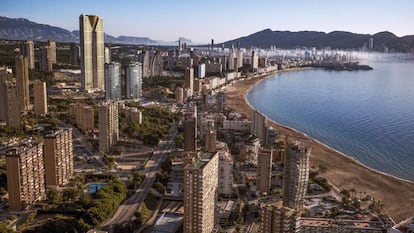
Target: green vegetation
(44, 76)
(162, 81)
(155, 124)
(163, 176)
(146, 210)
(316, 178)
(105, 202)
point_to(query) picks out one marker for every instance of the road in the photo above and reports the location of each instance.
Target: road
(127, 209)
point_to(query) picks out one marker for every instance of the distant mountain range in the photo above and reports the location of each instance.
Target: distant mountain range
(335, 40)
(23, 29)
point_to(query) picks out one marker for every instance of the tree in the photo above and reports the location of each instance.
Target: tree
(70, 194)
(54, 196)
(179, 140)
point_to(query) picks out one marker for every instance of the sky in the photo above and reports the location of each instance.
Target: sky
(201, 20)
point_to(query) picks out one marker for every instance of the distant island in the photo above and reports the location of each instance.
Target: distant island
(348, 66)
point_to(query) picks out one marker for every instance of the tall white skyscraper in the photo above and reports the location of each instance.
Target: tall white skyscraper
(92, 52)
(134, 80)
(112, 81)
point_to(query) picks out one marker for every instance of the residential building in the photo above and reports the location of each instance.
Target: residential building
(254, 61)
(74, 54)
(45, 60)
(310, 225)
(9, 101)
(225, 173)
(134, 80)
(220, 101)
(112, 81)
(200, 194)
(108, 125)
(189, 79)
(40, 98)
(264, 170)
(51, 44)
(25, 175)
(210, 140)
(296, 176)
(190, 129)
(58, 157)
(179, 95)
(22, 82)
(27, 50)
(279, 219)
(107, 55)
(84, 116)
(201, 70)
(92, 52)
(258, 125)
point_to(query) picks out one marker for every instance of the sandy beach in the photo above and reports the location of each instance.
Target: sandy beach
(342, 171)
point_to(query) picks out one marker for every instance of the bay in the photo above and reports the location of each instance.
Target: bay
(368, 115)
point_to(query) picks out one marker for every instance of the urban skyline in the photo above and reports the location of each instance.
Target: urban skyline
(221, 20)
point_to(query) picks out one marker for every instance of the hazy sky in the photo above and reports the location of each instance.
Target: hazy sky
(201, 20)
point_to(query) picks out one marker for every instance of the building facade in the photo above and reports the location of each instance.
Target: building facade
(25, 175)
(189, 79)
(279, 219)
(27, 50)
(92, 52)
(258, 125)
(9, 101)
(225, 173)
(134, 80)
(40, 98)
(296, 176)
(58, 154)
(112, 81)
(22, 82)
(264, 170)
(108, 125)
(200, 194)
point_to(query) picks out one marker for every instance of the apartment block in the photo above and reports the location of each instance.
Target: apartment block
(108, 125)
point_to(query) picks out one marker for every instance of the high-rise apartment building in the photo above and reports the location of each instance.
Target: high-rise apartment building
(255, 61)
(45, 59)
(210, 140)
(25, 175)
(40, 98)
(220, 101)
(9, 101)
(108, 55)
(200, 194)
(84, 116)
(279, 219)
(27, 50)
(189, 79)
(74, 54)
(179, 95)
(134, 80)
(22, 81)
(92, 52)
(190, 132)
(58, 154)
(112, 81)
(264, 170)
(258, 126)
(225, 173)
(51, 44)
(201, 70)
(108, 125)
(296, 176)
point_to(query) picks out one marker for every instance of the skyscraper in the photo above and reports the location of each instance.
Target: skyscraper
(225, 173)
(108, 125)
(189, 79)
(264, 170)
(254, 62)
(58, 154)
(51, 44)
(190, 132)
(9, 101)
(134, 80)
(74, 54)
(258, 126)
(296, 176)
(40, 98)
(45, 59)
(27, 50)
(211, 136)
(22, 81)
(108, 57)
(200, 194)
(92, 52)
(112, 81)
(25, 175)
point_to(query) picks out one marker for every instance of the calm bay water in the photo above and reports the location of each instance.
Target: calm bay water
(368, 115)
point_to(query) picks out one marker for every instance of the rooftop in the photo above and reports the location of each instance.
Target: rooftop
(201, 161)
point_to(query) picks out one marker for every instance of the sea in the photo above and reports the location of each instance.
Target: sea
(367, 115)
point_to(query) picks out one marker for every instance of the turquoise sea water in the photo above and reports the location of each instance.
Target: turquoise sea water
(368, 115)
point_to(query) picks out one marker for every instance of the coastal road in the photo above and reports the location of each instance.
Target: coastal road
(127, 209)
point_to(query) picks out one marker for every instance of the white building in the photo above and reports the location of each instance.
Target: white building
(225, 173)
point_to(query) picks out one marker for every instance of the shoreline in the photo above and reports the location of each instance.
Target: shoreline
(343, 171)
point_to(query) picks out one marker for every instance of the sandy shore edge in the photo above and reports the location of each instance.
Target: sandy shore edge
(343, 171)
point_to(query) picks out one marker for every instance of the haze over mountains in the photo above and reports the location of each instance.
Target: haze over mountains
(23, 29)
